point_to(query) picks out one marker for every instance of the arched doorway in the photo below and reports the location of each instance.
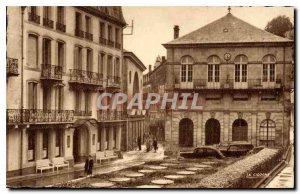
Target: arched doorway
(212, 132)
(80, 144)
(186, 131)
(239, 130)
(136, 87)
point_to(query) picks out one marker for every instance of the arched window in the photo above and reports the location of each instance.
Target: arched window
(239, 130)
(267, 132)
(213, 73)
(187, 69)
(269, 62)
(240, 74)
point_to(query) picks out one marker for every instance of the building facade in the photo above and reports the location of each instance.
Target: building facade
(242, 76)
(59, 60)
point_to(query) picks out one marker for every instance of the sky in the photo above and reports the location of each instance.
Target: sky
(153, 26)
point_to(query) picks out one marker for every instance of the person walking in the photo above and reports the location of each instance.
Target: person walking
(155, 144)
(140, 143)
(89, 164)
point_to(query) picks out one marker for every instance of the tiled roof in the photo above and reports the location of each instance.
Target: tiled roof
(228, 29)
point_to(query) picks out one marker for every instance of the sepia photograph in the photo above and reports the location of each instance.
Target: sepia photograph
(150, 97)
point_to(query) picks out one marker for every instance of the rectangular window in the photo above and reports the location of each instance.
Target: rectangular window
(217, 73)
(117, 68)
(272, 72)
(265, 72)
(61, 54)
(78, 21)
(78, 58)
(31, 145)
(47, 12)
(244, 73)
(45, 144)
(210, 73)
(109, 65)
(87, 102)
(101, 61)
(32, 95)
(110, 35)
(60, 15)
(32, 51)
(46, 51)
(89, 60)
(33, 10)
(46, 98)
(88, 24)
(77, 101)
(183, 73)
(190, 73)
(102, 30)
(117, 38)
(237, 73)
(59, 98)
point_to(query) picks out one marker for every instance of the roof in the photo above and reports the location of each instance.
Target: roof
(135, 59)
(228, 29)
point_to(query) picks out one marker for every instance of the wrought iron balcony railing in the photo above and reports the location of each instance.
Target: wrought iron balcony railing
(79, 33)
(102, 41)
(111, 43)
(85, 77)
(48, 23)
(82, 113)
(110, 115)
(88, 36)
(51, 72)
(32, 17)
(117, 45)
(12, 67)
(228, 84)
(61, 27)
(38, 116)
(113, 81)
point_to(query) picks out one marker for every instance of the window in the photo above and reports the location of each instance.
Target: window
(117, 67)
(187, 69)
(46, 98)
(78, 58)
(58, 97)
(33, 10)
(47, 12)
(61, 54)
(32, 51)
(60, 15)
(239, 130)
(58, 143)
(102, 30)
(269, 62)
(77, 101)
(89, 60)
(101, 62)
(240, 74)
(31, 145)
(213, 73)
(45, 144)
(267, 133)
(87, 102)
(78, 21)
(110, 35)
(117, 35)
(109, 65)
(32, 95)
(88, 26)
(46, 51)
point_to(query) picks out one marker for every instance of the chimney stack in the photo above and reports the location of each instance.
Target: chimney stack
(150, 68)
(176, 31)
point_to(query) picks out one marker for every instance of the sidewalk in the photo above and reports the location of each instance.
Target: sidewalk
(131, 158)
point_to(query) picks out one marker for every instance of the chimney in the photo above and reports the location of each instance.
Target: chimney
(150, 68)
(176, 31)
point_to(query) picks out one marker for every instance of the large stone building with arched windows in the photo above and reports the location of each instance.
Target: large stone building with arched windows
(241, 74)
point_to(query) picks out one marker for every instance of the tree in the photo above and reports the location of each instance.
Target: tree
(279, 25)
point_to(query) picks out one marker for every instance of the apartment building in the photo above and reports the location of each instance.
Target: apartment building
(59, 60)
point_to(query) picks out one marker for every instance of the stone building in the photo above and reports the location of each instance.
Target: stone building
(59, 59)
(242, 76)
(133, 69)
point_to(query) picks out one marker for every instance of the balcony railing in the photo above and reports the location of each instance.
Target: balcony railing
(102, 41)
(85, 77)
(228, 84)
(113, 81)
(38, 116)
(61, 27)
(111, 43)
(82, 113)
(88, 36)
(11, 66)
(117, 45)
(51, 72)
(79, 33)
(110, 115)
(48, 23)
(32, 17)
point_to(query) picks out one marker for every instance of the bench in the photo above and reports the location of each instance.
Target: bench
(100, 156)
(44, 164)
(110, 154)
(60, 162)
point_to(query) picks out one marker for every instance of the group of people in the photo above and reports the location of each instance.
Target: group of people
(150, 141)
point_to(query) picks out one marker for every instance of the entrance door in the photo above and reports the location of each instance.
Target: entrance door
(212, 132)
(186, 130)
(239, 130)
(80, 144)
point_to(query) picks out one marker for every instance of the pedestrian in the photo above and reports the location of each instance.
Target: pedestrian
(89, 164)
(155, 144)
(140, 143)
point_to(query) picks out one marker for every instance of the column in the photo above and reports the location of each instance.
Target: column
(199, 128)
(118, 135)
(51, 143)
(103, 138)
(24, 146)
(39, 144)
(110, 138)
(253, 129)
(226, 127)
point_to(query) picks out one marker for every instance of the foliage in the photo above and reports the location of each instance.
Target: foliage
(279, 25)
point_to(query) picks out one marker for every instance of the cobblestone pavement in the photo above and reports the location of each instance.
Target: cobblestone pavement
(285, 179)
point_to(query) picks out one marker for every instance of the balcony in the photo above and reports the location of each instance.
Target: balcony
(102, 41)
(250, 84)
(12, 67)
(79, 33)
(82, 113)
(110, 43)
(113, 82)
(85, 79)
(110, 115)
(88, 36)
(48, 23)
(51, 72)
(60, 27)
(117, 45)
(32, 17)
(39, 116)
